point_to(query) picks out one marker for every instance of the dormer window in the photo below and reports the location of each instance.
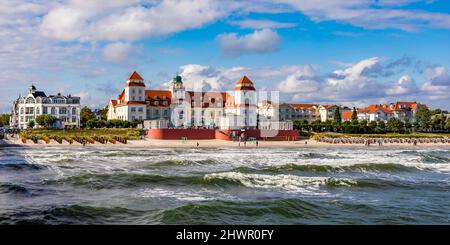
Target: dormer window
(156, 103)
(165, 103)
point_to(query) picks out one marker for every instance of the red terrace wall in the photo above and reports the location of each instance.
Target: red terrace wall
(208, 134)
(177, 134)
(260, 134)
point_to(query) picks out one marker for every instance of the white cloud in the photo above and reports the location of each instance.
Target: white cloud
(303, 80)
(437, 86)
(118, 53)
(128, 20)
(260, 41)
(262, 24)
(370, 14)
(405, 86)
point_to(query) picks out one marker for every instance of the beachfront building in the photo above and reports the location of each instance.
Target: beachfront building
(65, 108)
(404, 111)
(327, 112)
(177, 107)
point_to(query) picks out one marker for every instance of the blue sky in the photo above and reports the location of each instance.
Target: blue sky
(353, 52)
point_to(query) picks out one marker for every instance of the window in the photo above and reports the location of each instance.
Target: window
(38, 110)
(74, 119)
(141, 109)
(63, 110)
(30, 100)
(132, 91)
(133, 118)
(21, 110)
(140, 117)
(165, 103)
(74, 111)
(134, 97)
(140, 97)
(133, 109)
(53, 111)
(156, 112)
(165, 112)
(21, 118)
(156, 103)
(44, 110)
(29, 110)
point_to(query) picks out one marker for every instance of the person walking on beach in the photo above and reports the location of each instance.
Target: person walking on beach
(84, 142)
(257, 143)
(197, 144)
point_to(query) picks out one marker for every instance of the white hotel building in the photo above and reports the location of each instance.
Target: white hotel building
(65, 108)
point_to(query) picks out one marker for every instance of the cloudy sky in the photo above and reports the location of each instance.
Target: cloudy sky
(350, 52)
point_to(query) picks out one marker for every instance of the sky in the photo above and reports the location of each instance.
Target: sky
(353, 52)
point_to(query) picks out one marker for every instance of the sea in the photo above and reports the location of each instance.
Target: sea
(74, 185)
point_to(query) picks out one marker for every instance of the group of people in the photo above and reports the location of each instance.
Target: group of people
(381, 141)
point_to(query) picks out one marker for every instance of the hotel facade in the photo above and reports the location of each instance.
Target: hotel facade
(66, 109)
(178, 107)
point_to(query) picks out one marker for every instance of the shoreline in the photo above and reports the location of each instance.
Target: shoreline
(216, 144)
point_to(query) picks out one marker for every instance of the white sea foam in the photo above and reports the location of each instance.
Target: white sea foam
(289, 183)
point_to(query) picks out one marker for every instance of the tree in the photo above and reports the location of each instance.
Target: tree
(85, 115)
(373, 125)
(382, 125)
(438, 122)
(395, 124)
(354, 114)
(4, 120)
(447, 124)
(31, 124)
(45, 120)
(423, 117)
(104, 114)
(337, 116)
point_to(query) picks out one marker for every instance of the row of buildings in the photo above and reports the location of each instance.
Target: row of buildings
(178, 107)
(404, 111)
(240, 108)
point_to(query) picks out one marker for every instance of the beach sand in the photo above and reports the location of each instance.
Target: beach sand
(152, 143)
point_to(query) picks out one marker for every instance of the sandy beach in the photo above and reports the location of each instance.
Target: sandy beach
(152, 143)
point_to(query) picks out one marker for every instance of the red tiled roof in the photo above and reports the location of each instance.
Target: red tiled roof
(122, 96)
(374, 108)
(159, 96)
(134, 84)
(244, 84)
(302, 106)
(347, 115)
(209, 99)
(114, 102)
(407, 105)
(135, 76)
(131, 103)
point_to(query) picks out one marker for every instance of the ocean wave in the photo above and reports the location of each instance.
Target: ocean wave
(72, 214)
(274, 211)
(363, 167)
(314, 155)
(21, 166)
(175, 162)
(124, 180)
(302, 184)
(13, 189)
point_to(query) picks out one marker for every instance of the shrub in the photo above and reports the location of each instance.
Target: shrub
(46, 139)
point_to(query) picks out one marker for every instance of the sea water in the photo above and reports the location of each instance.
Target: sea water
(63, 185)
